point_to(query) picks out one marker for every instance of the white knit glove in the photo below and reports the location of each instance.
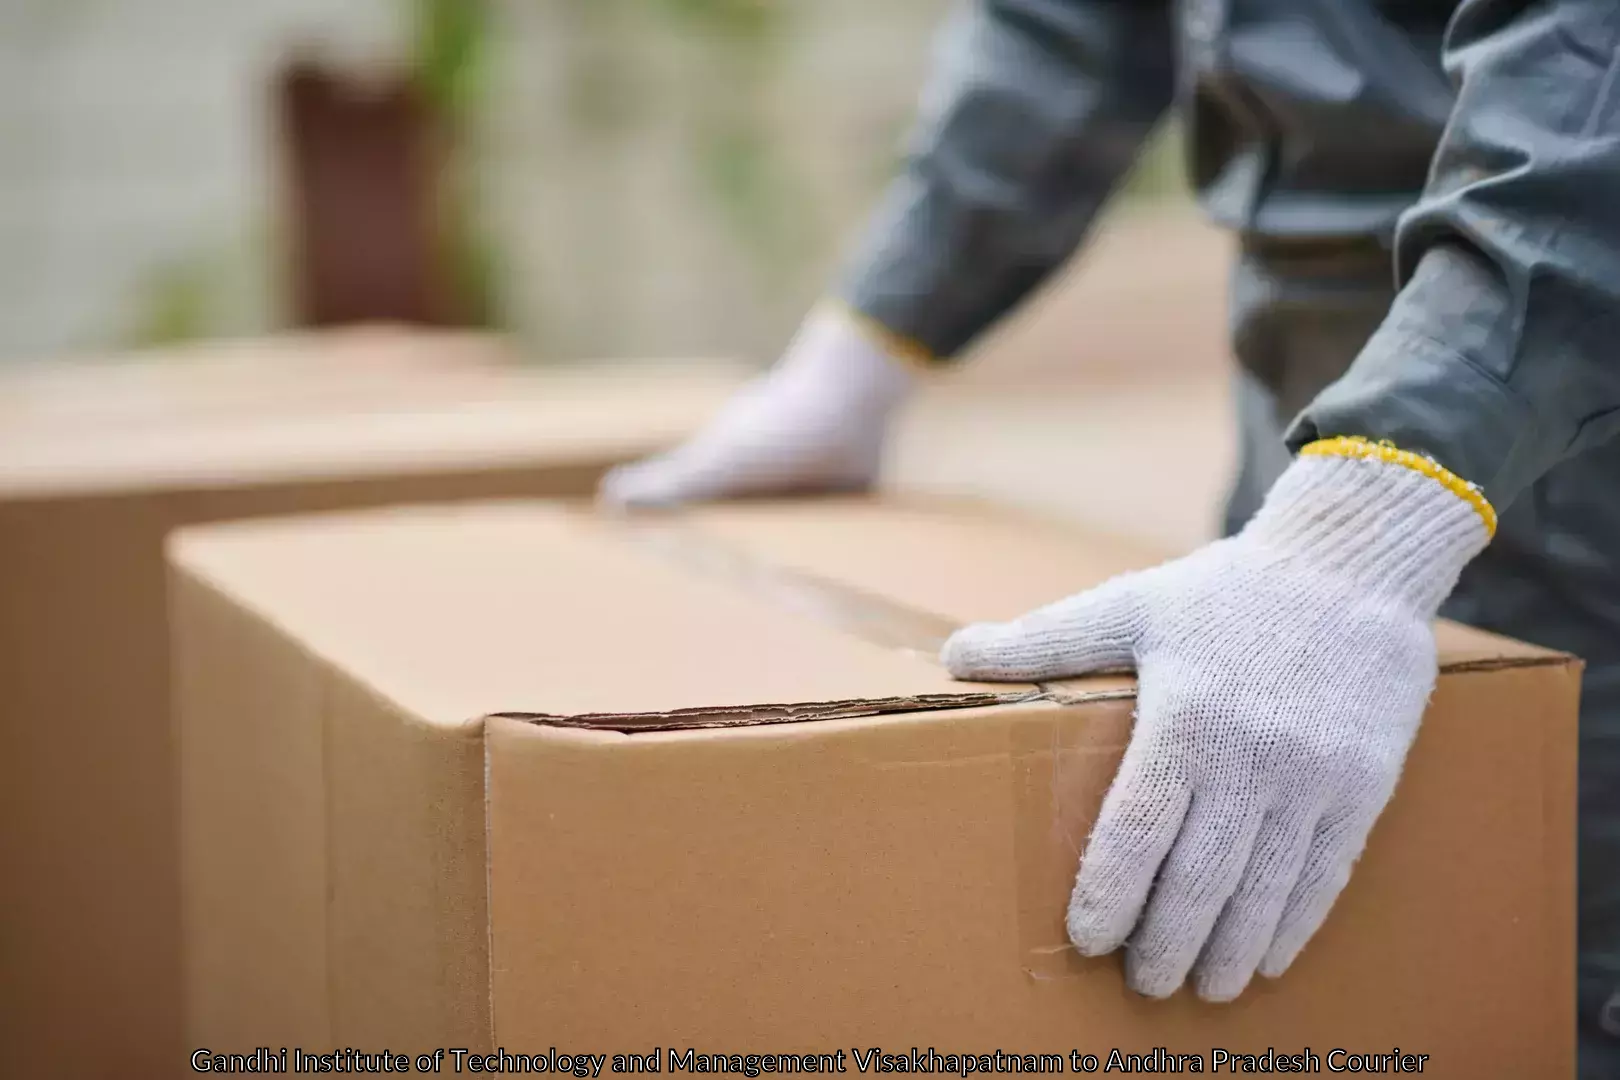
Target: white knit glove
(814, 423)
(1282, 674)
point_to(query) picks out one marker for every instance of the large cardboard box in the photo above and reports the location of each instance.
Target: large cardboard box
(98, 461)
(520, 776)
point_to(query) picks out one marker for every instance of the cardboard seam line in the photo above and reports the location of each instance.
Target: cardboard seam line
(754, 715)
(1507, 663)
(875, 619)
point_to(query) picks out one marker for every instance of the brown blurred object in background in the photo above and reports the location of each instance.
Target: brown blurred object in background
(364, 160)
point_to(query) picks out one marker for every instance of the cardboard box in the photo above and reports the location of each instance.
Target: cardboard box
(364, 367)
(97, 463)
(518, 776)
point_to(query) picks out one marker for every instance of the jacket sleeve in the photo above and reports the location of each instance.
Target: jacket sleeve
(1501, 354)
(1033, 112)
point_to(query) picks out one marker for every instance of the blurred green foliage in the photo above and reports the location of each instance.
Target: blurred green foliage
(732, 147)
(735, 149)
(174, 303)
(741, 20)
(450, 52)
(449, 60)
(603, 93)
(733, 143)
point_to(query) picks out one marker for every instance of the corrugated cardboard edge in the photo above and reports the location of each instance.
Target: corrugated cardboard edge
(875, 619)
(751, 715)
(702, 717)
(1504, 663)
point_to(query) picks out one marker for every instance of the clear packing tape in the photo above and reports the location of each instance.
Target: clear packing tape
(871, 618)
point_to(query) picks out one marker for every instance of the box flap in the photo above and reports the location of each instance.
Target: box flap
(965, 559)
(736, 615)
(968, 560)
(459, 612)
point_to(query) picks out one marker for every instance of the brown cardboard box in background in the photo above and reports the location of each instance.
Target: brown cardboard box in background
(513, 775)
(98, 461)
(364, 365)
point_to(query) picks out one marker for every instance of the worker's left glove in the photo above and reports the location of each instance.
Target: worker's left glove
(816, 422)
(1282, 676)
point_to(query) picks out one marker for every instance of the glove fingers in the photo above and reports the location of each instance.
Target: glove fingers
(1141, 816)
(641, 485)
(1200, 875)
(1093, 631)
(1334, 849)
(1248, 923)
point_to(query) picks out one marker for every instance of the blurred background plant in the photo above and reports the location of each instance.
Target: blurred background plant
(742, 176)
(449, 61)
(624, 177)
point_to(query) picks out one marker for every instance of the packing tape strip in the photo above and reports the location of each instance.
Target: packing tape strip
(1062, 762)
(872, 618)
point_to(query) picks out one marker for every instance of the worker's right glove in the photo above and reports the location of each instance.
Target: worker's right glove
(815, 423)
(1282, 676)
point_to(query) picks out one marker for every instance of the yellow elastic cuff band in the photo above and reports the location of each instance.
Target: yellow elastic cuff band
(1354, 447)
(896, 345)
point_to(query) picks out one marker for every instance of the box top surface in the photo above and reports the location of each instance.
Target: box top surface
(743, 614)
(330, 405)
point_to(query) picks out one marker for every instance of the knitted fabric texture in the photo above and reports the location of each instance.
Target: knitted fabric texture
(1282, 676)
(816, 422)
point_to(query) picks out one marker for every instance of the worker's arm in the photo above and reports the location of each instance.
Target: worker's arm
(1501, 355)
(1284, 671)
(1034, 111)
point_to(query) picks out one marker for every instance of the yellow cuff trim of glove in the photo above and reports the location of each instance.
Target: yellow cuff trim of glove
(1354, 447)
(896, 345)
